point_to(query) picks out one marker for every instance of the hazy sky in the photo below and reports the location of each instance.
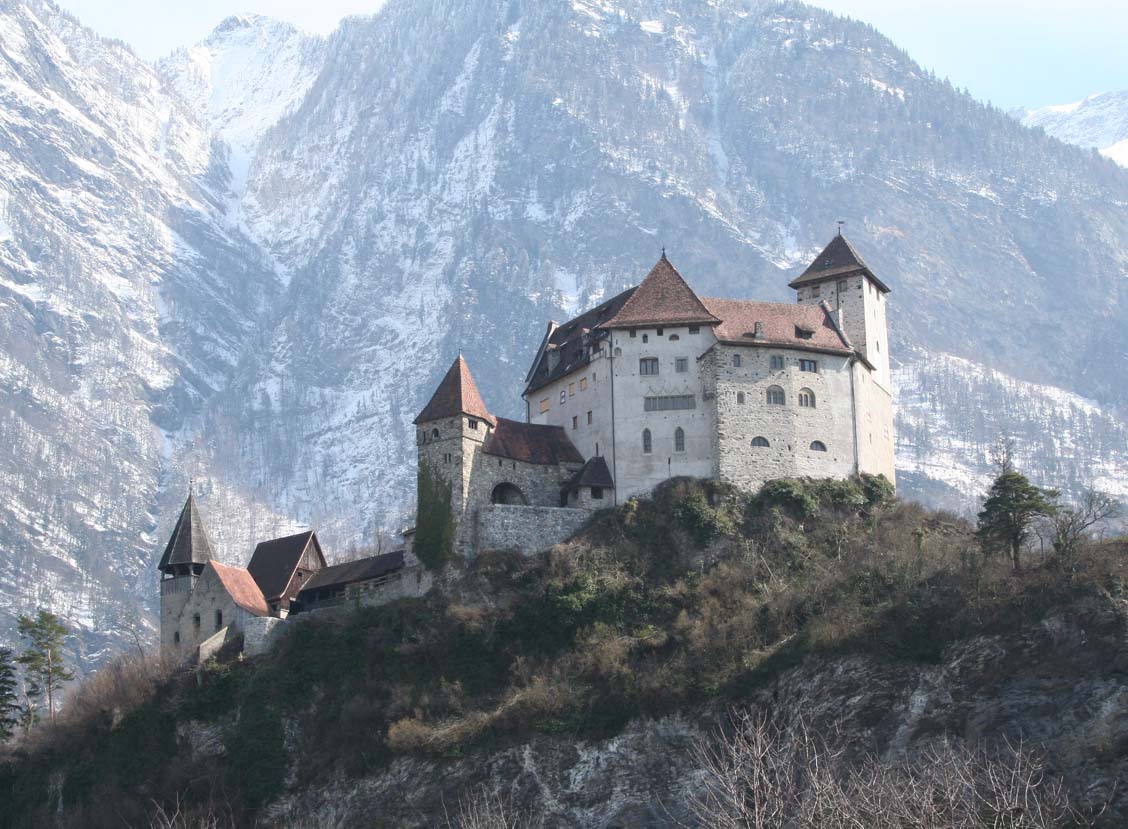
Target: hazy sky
(1012, 52)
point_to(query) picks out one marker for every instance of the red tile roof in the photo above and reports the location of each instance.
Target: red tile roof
(781, 324)
(241, 587)
(531, 443)
(456, 394)
(837, 259)
(663, 298)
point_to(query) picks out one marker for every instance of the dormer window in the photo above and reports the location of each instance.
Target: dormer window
(803, 333)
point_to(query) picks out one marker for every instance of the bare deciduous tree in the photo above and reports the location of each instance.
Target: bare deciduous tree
(1070, 526)
(757, 775)
(482, 809)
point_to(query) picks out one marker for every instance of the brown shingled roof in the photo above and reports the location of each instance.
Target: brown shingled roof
(349, 572)
(593, 473)
(188, 543)
(241, 587)
(781, 324)
(663, 298)
(837, 259)
(274, 562)
(456, 394)
(531, 443)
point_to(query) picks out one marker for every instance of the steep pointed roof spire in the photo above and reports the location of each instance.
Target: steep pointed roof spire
(663, 298)
(456, 394)
(837, 259)
(189, 542)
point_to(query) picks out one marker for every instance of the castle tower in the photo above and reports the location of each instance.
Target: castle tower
(841, 279)
(184, 559)
(452, 429)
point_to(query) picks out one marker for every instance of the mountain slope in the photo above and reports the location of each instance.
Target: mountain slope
(517, 162)
(125, 301)
(1099, 121)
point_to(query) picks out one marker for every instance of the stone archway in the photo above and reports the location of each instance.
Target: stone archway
(507, 493)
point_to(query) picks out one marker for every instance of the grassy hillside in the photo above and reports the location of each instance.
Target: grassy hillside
(700, 595)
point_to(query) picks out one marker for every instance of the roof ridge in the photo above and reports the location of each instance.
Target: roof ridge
(663, 297)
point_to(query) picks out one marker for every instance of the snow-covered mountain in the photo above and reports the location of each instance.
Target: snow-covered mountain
(1099, 121)
(310, 229)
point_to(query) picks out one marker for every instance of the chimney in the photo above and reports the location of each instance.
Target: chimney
(758, 331)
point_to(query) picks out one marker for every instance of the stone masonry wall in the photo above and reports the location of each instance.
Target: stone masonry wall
(527, 529)
(790, 429)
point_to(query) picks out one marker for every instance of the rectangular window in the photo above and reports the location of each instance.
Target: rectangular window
(673, 402)
(648, 366)
(571, 389)
(659, 332)
(842, 286)
(634, 333)
(681, 365)
(583, 383)
(815, 290)
(693, 329)
(736, 360)
(809, 365)
(646, 338)
(589, 418)
(473, 424)
(544, 405)
(219, 620)
(777, 363)
(597, 493)
(575, 421)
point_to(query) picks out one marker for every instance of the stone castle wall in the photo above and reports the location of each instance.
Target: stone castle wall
(527, 529)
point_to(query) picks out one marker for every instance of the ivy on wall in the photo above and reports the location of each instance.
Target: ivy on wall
(434, 524)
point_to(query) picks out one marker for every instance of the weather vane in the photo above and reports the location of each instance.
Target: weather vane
(840, 223)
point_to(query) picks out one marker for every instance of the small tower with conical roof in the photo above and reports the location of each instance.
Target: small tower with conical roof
(452, 428)
(187, 553)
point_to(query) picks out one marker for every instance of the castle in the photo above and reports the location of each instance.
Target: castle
(658, 382)
(654, 383)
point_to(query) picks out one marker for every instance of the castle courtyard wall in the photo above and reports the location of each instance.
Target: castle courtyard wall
(526, 529)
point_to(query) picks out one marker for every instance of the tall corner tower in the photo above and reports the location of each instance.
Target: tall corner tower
(840, 279)
(452, 428)
(187, 553)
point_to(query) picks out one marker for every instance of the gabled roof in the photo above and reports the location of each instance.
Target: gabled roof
(836, 260)
(781, 324)
(663, 298)
(566, 348)
(531, 443)
(189, 542)
(274, 562)
(241, 587)
(350, 572)
(456, 394)
(593, 473)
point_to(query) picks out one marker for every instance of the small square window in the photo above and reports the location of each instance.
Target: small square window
(693, 329)
(777, 362)
(473, 424)
(659, 332)
(815, 291)
(597, 493)
(634, 333)
(681, 365)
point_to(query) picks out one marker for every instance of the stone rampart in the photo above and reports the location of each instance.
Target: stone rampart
(527, 529)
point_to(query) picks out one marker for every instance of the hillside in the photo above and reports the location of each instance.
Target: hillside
(250, 263)
(576, 685)
(1099, 122)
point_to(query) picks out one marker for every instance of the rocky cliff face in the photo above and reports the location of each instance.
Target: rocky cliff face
(1050, 686)
(252, 263)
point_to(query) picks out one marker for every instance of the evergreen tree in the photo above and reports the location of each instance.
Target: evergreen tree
(43, 659)
(1008, 513)
(9, 696)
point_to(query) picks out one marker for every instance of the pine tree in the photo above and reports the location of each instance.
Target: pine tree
(43, 659)
(9, 696)
(1008, 513)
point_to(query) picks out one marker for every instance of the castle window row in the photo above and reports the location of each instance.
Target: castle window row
(761, 442)
(648, 441)
(670, 403)
(777, 363)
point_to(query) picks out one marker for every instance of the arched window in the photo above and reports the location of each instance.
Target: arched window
(647, 444)
(736, 360)
(674, 338)
(740, 397)
(776, 397)
(760, 442)
(618, 352)
(679, 439)
(806, 398)
(507, 493)
(818, 446)
(434, 433)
